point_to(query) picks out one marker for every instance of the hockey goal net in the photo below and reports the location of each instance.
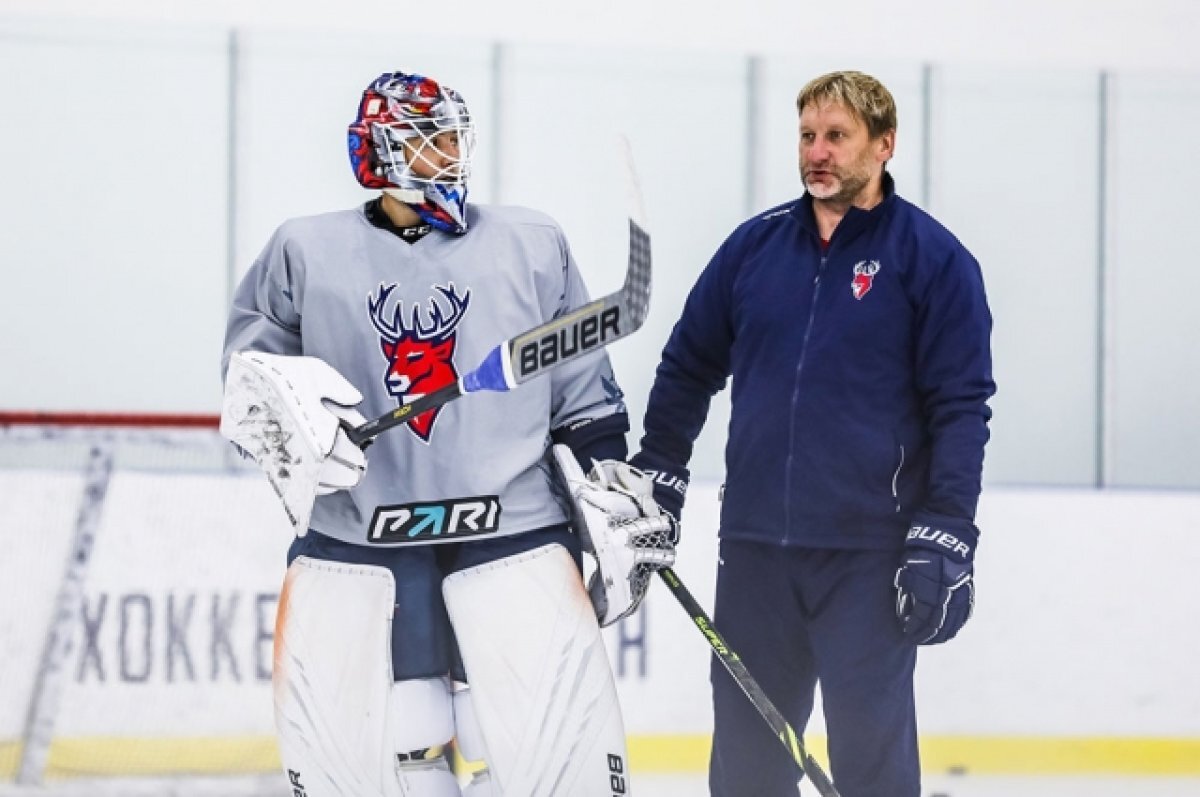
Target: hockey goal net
(140, 562)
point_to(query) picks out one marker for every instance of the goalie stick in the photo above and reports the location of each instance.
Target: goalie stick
(733, 664)
(294, 474)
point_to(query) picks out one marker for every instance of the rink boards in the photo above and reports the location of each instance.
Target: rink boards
(1081, 657)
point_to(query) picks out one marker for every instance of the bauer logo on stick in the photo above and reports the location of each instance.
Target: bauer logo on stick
(585, 329)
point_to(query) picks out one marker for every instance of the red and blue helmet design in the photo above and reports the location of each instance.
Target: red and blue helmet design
(400, 117)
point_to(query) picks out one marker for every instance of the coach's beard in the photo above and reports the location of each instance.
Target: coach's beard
(843, 190)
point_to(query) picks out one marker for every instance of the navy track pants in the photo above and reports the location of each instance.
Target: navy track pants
(796, 616)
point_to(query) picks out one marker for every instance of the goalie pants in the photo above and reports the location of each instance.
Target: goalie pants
(796, 616)
(423, 644)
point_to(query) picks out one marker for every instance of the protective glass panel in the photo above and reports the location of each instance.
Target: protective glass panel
(1154, 379)
(685, 117)
(114, 156)
(1015, 176)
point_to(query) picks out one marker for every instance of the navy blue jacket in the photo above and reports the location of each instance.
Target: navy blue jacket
(860, 377)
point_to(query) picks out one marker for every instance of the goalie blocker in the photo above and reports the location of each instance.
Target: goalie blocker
(621, 526)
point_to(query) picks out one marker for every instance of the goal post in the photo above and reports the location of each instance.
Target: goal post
(140, 568)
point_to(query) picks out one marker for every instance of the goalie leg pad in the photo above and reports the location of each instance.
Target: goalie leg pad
(332, 674)
(421, 716)
(340, 718)
(471, 746)
(481, 785)
(466, 727)
(541, 686)
(429, 777)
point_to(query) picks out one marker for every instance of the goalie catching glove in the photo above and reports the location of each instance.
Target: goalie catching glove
(290, 414)
(622, 527)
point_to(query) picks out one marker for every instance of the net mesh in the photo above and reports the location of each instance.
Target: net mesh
(653, 539)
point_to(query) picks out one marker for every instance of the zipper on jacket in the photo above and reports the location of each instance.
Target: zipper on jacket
(812, 314)
(896, 480)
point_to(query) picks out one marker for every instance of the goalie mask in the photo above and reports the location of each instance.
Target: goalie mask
(406, 120)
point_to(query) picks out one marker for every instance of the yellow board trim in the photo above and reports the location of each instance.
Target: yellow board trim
(977, 755)
(650, 754)
(113, 756)
(1054, 755)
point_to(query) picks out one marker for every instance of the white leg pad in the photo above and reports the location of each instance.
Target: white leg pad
(422, 714)
(338, 714)
(471, 746)
(332, 676)
(466, 727)
(541, 686)
(481, 786)
(431, 778)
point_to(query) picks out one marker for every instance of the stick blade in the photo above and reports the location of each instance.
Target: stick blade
(259, 422)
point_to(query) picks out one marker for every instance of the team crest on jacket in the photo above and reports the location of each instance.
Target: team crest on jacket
(418, 346)
(864, 277)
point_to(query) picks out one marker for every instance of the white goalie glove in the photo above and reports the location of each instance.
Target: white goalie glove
(622, 527)
(288, 415)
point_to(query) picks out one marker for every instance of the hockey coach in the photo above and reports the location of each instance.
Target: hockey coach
(856, 331)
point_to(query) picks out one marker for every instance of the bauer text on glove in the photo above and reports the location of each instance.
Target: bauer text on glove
(670, 482)
(935, 584)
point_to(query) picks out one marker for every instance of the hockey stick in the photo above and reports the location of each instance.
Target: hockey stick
(733, 663)
(263, 424)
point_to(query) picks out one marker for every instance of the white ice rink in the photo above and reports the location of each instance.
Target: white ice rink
(667, 786)
(967, 786)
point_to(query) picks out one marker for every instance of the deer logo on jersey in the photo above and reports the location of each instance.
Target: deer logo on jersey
(864, 277)
(419, 351)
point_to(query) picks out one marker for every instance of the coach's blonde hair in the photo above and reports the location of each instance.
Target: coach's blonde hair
(862, 94)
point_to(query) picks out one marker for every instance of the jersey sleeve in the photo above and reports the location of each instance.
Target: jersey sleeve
(265, 313)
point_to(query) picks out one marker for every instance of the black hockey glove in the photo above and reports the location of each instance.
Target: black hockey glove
(670, 482)
(935, 585)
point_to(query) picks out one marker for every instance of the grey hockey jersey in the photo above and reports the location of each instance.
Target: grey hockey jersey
(400, 320)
